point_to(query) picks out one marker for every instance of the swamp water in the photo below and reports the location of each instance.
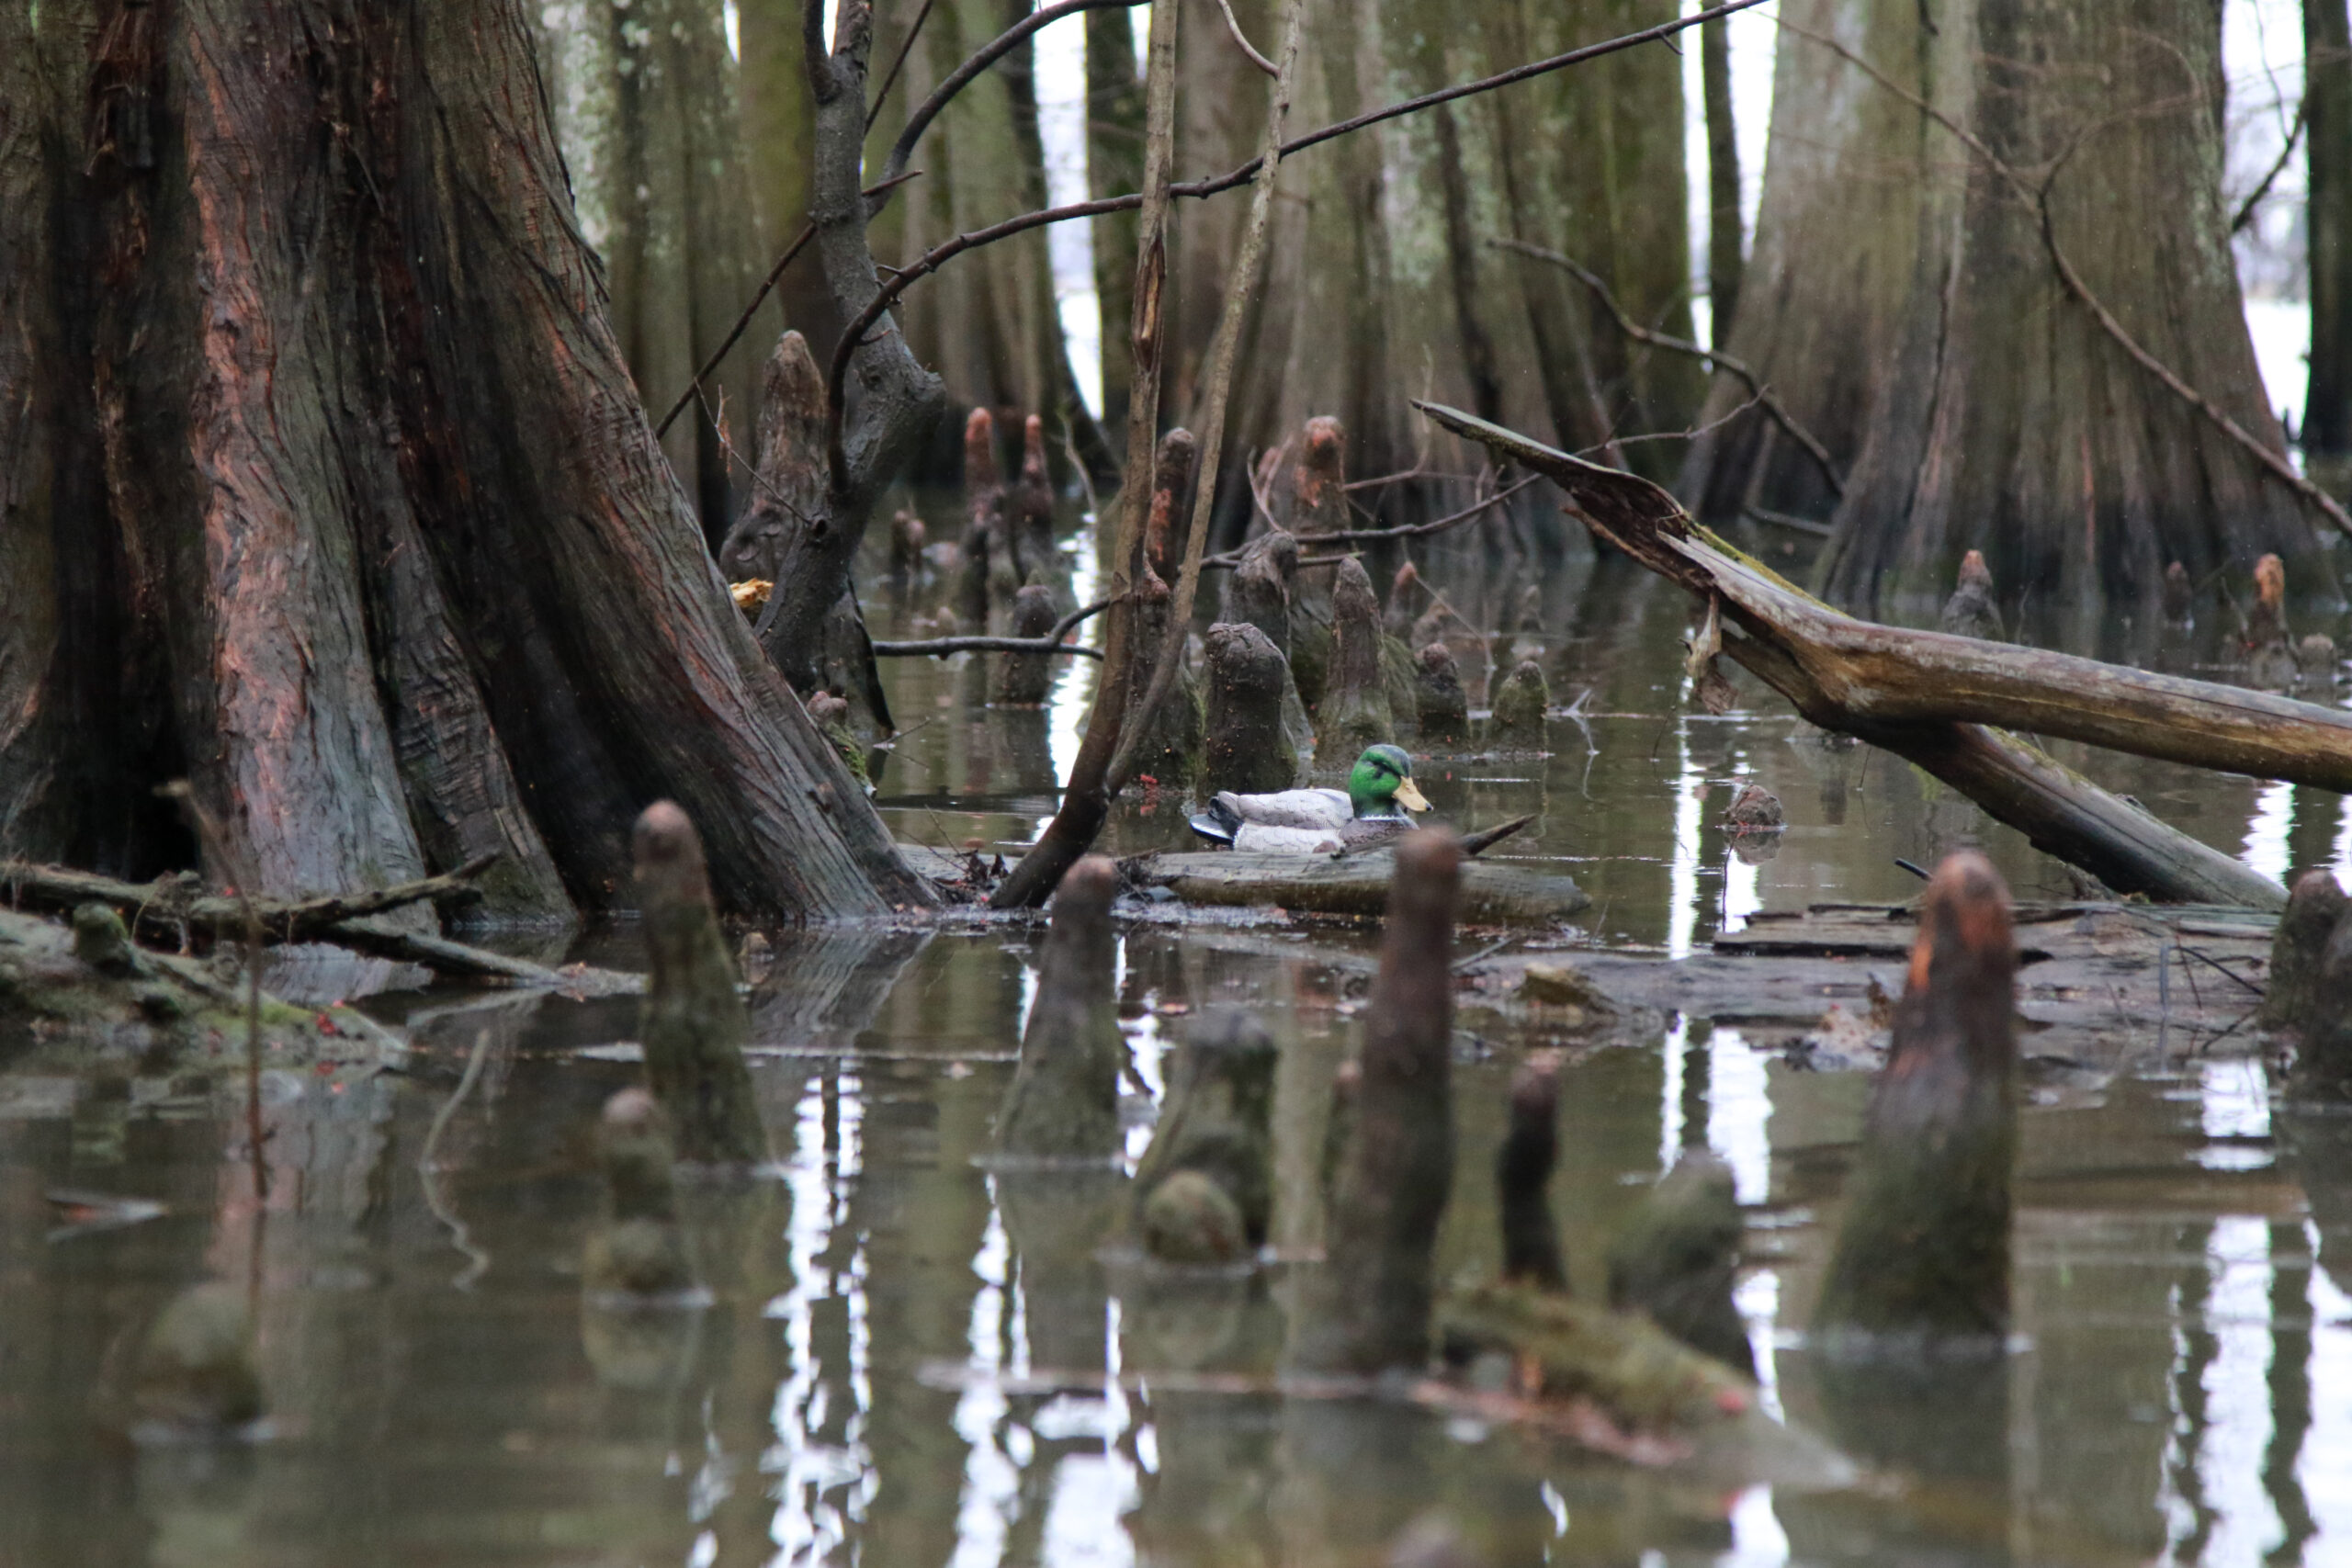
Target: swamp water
(910, 1358)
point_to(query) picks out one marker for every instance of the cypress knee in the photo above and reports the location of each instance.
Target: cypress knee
(1216, 1126)
(1971, 612)
(1408, 600)
(1025, 680)
(1171, 486)
(1520, 707)
(1170, 751)
(1922, 1259)
(1064, 1102)
(1677, 1258)
(1523, 1177)
(694, 1022)
(1354, 712)
(2179, 596)
(1258, 592)
(1247, 751)
(1444, 705)
(1033, 506)
(2314, 910)
(1370, 1303)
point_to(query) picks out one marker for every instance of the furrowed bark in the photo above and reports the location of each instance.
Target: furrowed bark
(1771, 629)
(338, 315)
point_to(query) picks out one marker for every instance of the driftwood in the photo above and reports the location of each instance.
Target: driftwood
(165, 908)
(1930, 697)
(168, 906)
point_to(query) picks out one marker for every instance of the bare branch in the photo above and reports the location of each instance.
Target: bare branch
(767, 286)
(1233, 25)
(940, 647)
(2253, 198)
(891, 79)
(1731, 364)
(1232, 558)
(988, 54)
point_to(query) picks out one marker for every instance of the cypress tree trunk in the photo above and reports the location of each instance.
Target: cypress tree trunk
(655, 145)
(1825, 281)
(337, 496)
(1725, 248)
(2327, 99)
(2009, 422)
(1113, 167)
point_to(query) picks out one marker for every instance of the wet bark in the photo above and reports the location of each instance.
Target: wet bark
(318, 312)
(2327, 108)
(1922, 1259)
(1373, 1298)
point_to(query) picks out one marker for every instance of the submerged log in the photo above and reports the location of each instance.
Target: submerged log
(1354, 712)
(1355, 884)
(1247, 750)
(1922, 1259)
(1205, 1185)
(1064, 1101)
(1929, 697)
(694, 1023)
(1371, 1300)
(1677, 1258)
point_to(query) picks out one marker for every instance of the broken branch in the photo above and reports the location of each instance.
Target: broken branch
(166, 906)
(1732, 364)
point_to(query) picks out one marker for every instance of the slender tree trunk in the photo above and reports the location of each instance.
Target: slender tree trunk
(315, 361)
(2009, 421)
(1113, 167)
(656, 147)
(2327, 143)
(779, 130)
(1725, 245)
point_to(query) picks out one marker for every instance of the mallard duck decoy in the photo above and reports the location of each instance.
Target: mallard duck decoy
(1303, 821)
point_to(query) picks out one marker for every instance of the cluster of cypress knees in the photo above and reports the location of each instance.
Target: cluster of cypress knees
(1921, 1263)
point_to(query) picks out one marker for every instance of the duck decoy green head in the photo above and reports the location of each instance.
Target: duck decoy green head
(1382, 781)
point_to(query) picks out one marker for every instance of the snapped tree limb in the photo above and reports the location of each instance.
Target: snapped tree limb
(1930, 697)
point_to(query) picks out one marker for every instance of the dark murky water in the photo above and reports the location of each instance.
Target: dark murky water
(910, 1360)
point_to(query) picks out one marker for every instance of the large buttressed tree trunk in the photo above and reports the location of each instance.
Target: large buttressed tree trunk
(2007, 419)
(327, 485)
(645, 98)
(1835, 236)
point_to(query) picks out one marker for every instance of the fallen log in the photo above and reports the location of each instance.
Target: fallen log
(169, 905)
(1355, 884)
(443, 956)
(1930, 697)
